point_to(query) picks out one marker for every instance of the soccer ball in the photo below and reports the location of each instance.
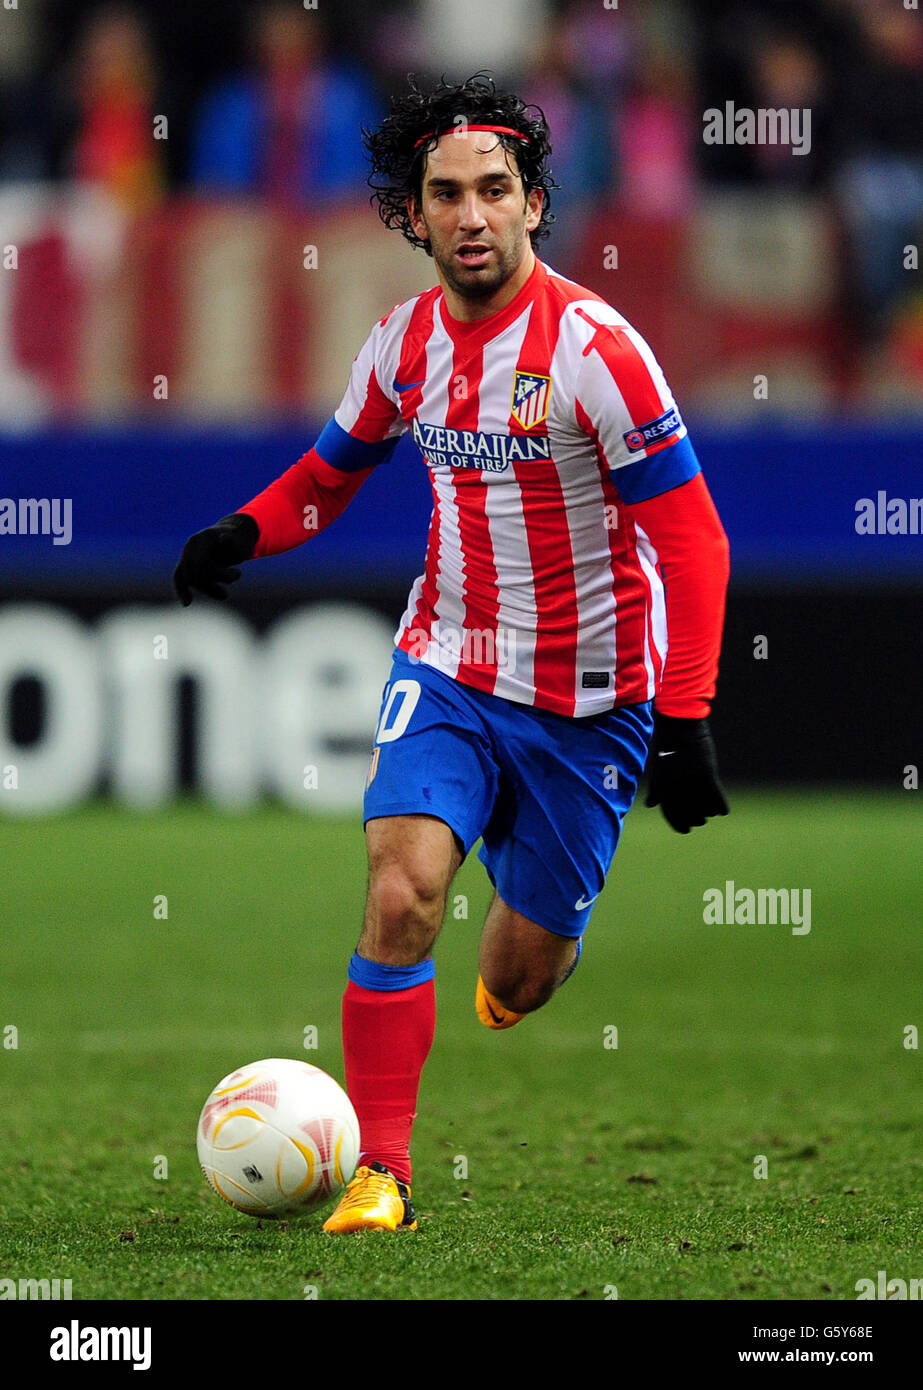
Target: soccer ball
(277, 1137)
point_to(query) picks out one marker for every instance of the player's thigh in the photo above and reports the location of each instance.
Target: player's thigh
(412, 860)
(565, 789)
(521, 959)
(431, 785)
(432, 756)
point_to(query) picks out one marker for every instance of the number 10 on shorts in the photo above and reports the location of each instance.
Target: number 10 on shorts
(408, 692)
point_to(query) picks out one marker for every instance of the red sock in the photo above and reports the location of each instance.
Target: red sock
(387, 1035)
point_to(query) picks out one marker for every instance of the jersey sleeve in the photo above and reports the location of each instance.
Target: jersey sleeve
(693, 557)
(367, 424)
(624, 404)
(301, 503)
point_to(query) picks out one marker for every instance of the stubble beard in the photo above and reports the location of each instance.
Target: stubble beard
(478, 285)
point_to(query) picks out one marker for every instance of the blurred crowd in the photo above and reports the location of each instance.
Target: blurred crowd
(267, 100)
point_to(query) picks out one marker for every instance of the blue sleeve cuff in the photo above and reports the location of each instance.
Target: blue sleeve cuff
(342, 450)
(370, 975)
(649, 477)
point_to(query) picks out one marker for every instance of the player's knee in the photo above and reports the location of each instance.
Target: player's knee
(403, 915)
(522, 991)
(524, 985)
(401, 893)
(530, 996)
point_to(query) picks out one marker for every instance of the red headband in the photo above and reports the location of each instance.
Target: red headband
(498, 129)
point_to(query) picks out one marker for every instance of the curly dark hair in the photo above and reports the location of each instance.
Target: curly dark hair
(397, 158)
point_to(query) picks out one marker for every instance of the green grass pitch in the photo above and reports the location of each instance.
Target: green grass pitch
(590, 1168)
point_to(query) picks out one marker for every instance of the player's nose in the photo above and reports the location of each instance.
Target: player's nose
(471, 213)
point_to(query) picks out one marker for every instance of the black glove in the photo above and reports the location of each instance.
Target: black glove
(207, 556)
(682, 773)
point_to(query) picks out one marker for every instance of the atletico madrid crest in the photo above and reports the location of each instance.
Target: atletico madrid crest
(530, 399)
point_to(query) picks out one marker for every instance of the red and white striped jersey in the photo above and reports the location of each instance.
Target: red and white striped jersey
(540, 426)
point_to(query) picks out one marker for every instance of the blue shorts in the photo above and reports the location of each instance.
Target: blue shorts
(548, 794)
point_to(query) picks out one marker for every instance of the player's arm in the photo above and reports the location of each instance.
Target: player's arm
(692, 553)
(307, 497)
(657, 474)
(682, 526)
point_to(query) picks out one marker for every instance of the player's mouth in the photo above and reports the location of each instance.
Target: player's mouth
(473, 254)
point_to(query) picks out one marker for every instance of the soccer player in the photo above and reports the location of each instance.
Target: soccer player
(568, 620)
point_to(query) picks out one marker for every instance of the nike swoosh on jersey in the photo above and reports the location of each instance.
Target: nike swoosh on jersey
(408, 387)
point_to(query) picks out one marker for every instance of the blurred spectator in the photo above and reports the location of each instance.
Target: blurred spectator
(880, 182)
(22, 142)
(657, 138)
(602, 46)
(581, 150)
(579, 77)
(788, 76)
(289, 130)
(616, 91)
(114, 145)
(772, 55)
(393, 35)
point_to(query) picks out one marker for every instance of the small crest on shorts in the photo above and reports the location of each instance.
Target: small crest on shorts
(530, 399)
(373, 766)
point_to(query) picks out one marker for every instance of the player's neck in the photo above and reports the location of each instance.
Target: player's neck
(471, 310)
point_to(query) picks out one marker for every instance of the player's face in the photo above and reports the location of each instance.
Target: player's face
(474, 213)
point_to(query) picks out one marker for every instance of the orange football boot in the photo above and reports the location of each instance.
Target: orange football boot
(373, 1201)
